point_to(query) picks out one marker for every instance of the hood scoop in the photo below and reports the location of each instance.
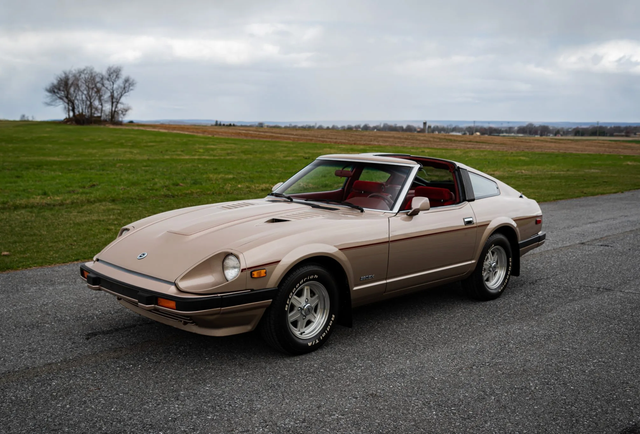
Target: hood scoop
(277, 220)
(304, 215)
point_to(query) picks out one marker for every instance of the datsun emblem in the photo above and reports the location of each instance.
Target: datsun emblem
(142, 255)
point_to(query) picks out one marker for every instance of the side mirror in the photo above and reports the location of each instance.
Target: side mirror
(419, 204)
(275, 187)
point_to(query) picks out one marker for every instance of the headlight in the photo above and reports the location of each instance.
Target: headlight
(231, 267)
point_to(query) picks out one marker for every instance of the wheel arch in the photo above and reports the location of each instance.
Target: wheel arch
(340, 277)
(325, 256)
(510, 233)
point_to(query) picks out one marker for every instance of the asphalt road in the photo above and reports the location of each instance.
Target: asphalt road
(559, 352)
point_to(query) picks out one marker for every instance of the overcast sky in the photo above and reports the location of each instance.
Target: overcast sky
(271, 60)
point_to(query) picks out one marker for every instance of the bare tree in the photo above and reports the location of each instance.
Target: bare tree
(116, 88)
(64, 91)
(88, 95)
(91, 94)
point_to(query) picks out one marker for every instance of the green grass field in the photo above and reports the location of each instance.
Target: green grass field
(66, 190)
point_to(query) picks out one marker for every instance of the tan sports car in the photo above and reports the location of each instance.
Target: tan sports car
(346, 230)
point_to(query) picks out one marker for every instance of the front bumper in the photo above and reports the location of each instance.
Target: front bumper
(213, 315)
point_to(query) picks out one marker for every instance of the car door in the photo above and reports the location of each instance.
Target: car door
(434, 245)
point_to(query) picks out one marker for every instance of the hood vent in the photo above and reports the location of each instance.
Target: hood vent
(236, 205)
(277, 220)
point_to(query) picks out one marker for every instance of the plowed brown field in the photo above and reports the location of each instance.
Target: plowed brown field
(383, 138)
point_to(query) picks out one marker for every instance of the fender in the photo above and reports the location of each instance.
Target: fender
(306, 251)
(494, 225)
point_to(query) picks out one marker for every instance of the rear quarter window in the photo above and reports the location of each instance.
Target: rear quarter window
(483, 187)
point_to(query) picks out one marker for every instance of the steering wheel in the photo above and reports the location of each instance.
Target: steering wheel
(386, 199)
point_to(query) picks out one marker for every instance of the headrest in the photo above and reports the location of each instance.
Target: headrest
(342, 173)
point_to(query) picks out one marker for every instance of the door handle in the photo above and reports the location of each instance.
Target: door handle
(468, 221)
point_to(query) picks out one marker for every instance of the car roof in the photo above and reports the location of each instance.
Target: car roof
(387, 157)
(374, 158)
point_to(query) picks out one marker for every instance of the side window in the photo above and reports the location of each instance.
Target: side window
(434, 174)
(434, 177)
(483, 187)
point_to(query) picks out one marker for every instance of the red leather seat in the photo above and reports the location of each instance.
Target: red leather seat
(365, 188)
(437, 196)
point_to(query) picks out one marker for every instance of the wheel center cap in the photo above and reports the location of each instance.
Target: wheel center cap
(307, 309)
(493, 266)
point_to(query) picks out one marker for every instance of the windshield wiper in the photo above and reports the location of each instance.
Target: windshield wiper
(282, 195)
(290, 199)
(349, 204)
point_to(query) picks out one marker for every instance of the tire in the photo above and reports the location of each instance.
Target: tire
(304, 313)
(492, 273)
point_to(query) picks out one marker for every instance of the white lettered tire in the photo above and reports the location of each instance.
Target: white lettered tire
(304, 313)
(492, 273)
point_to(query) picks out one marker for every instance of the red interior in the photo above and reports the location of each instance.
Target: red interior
(361, 190)
(365, 188)
(437, 196)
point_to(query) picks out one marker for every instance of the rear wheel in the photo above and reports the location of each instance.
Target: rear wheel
(492, 273)
(304, 313)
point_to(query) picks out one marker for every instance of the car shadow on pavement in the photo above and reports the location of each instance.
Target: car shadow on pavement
(439, 303)
(379, 321)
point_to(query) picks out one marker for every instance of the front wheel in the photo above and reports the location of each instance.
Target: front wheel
(304, 313)
(493, 270)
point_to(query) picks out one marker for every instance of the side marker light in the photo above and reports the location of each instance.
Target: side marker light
(169, 304)
(255, 274)
(539, 221)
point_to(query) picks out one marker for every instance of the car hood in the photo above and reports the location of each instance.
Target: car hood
(177, 241)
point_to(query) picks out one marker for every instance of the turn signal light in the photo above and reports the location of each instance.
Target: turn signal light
(169, 304)
(258, 273)
(84, 273)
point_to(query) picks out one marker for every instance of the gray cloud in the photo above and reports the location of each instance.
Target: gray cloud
(335, 60)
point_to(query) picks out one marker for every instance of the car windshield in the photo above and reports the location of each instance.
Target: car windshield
(363, 184)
